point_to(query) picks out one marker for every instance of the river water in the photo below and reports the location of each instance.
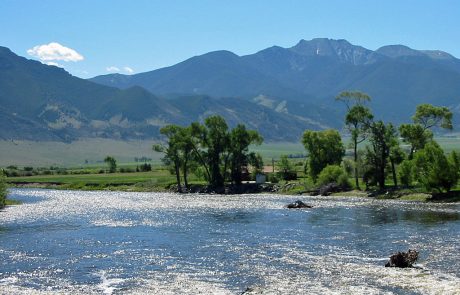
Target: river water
(158, 243)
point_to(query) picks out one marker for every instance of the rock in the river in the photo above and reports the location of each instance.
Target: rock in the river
(403, 259)
(298, 204)
(252, 290)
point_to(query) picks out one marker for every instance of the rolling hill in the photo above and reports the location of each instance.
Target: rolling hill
(41, 102)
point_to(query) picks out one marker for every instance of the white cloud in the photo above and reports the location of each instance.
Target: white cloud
(112, 69)
(52, 63)
(115, 69)
(128, 70)
(55, 51)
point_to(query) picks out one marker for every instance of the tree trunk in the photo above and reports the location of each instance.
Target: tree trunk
(176, 167)
(200, 158)
(382, 170)
(185, 172)
(356, 164)
(411, 154)
(393, 171)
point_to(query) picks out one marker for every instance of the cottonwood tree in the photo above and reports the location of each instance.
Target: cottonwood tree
(215, 141)
(239, 156)
(427, 116)
(382, 139)
(324, 148)
(171, 150)
(357, 120)
(209, 147)
(434, 170)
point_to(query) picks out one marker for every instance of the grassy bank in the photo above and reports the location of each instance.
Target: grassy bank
(157, 180)
(161, 180)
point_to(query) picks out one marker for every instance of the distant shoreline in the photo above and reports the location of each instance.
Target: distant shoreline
(290, 188)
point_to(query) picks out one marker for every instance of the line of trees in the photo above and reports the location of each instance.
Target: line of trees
(383, 156)
(219, 153)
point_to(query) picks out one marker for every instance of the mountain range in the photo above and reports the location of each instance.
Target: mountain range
(278, 91)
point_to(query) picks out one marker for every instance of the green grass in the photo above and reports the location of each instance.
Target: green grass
(275, 150)
(113, 178)
(157, 180)
(46, 153)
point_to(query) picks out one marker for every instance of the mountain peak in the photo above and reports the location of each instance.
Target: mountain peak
(341, 50)
(398, 50)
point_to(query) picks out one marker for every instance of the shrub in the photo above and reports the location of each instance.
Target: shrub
(11, 173)
(273, 178)
(344, 181)
(333, 173)
(406, 173)
(286, 169)
(145, 167)
(348, 165)
(62, 172)
(434, 170)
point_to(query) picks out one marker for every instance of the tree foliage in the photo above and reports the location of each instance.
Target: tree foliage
(109, 160)
(416, 136)
(430, 116)
(426, 116)
(239, 156)
(286, 169)
(210, 147)
(324, 148)
(333, 174)
(358, 120)
(434, 170)
(172, 150)
(382, 138)
(406, 173)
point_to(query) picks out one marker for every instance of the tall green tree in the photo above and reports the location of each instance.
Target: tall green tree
(382, 139)
(109, 160)
(358, 120)
(240, 139)
(416, 136)
(427, 116)
(172, 150)
(215, 140)
(186, 144)
(396, 157)
(430, 116)
(434, 170)
(324, 148)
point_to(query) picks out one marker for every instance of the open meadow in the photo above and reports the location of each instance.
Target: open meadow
(89, 153)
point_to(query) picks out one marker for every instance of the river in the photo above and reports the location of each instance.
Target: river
(80, 242)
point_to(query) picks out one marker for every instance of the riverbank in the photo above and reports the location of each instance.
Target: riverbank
(146, 182)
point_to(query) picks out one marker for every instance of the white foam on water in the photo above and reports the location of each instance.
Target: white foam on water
(108, 285)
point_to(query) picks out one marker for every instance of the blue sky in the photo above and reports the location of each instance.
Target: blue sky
(138, 36)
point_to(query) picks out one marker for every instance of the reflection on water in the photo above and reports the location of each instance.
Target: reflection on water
(138, 243)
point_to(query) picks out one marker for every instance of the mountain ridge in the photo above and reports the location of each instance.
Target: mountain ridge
(315, 71)
(41, 102)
